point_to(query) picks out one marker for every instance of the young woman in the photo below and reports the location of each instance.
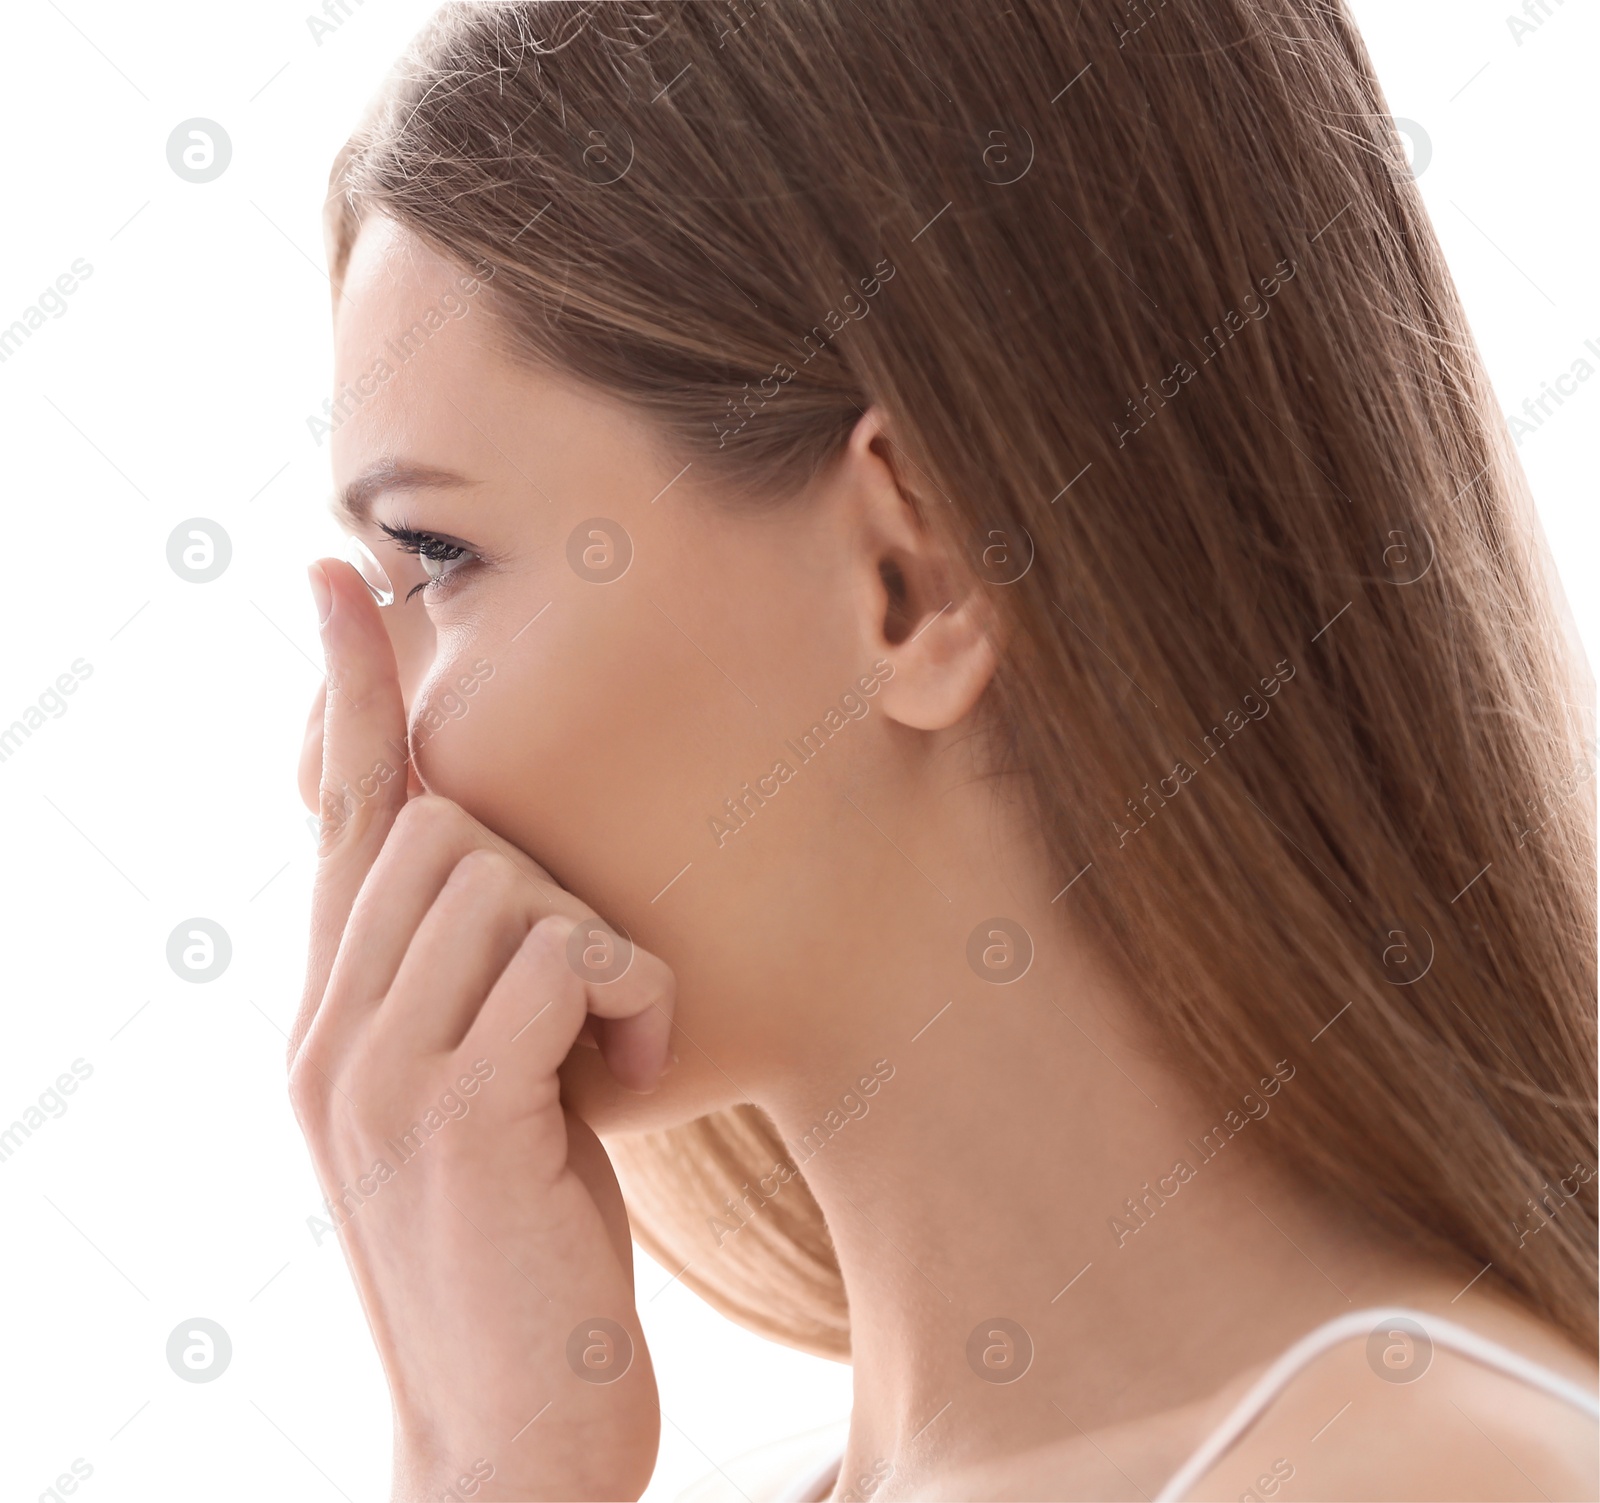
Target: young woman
(949, 656)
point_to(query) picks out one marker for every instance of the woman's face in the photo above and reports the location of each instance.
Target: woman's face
(604, 658)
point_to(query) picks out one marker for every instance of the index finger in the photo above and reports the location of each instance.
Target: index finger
(546, 992)
(364, 764)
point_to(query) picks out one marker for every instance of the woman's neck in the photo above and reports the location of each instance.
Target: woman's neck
(1027, 1190)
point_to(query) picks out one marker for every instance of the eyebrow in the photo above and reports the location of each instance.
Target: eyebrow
(354, 503)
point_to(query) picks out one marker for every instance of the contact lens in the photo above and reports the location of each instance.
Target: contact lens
(365, 563)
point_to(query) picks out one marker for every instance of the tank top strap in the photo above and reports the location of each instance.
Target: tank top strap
(1441, 1332)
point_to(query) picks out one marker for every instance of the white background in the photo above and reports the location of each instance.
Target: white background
(177, 385)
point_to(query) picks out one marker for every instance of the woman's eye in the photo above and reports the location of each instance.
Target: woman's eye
(437, 564)
(440, 557)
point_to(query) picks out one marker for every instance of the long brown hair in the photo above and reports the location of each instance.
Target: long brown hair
(1152, 304)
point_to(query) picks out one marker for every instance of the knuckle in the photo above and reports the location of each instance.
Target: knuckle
(547, 941)
(481, 869)
(351, 802)
(308, 1090)
(489, 885)
(429, 816)
(357, 685)
(344, 818)
(326, 1090)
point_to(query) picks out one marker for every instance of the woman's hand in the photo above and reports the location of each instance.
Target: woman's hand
(447, 981)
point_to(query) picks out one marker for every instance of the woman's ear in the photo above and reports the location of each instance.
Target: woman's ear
(925, 614)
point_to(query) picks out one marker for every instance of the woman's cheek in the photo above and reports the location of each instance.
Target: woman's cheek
(592, 740)
(492, 733)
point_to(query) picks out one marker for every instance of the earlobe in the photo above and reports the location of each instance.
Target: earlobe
(943, 667)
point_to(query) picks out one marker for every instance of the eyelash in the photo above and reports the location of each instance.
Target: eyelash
(429, 546)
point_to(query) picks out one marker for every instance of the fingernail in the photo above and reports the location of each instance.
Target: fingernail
(321, 592)
(373, 576)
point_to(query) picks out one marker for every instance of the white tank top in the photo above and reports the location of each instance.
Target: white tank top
(818, 1484)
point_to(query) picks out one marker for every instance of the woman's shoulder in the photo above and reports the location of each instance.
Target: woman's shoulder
(1383, 1404)
(1402, 1412)
(1381, 1408)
